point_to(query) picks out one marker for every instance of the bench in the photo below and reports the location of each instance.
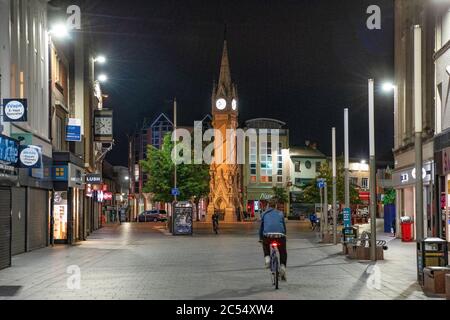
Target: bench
(359, 248)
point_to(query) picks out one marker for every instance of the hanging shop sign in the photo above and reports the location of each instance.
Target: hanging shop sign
(107, 196)
(15, 110)
(73, 130)
(9, 151)
(89, 191)
(94, 178)
(30, 157)
(60, 173)
(75, 177)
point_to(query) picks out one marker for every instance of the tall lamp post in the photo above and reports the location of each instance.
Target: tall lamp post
(373, 178)
(418, 130)
(333, 138)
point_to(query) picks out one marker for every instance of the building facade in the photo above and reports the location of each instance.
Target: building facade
(407, 15)
(266, 165)
(441, 220)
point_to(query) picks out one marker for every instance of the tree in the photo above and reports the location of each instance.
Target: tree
(280, 194)
(312, 193)
(389, 197)
(192, 179)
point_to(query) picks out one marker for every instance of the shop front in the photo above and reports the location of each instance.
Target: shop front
(67, 213)
(404, 181)
(8, 179)
(442, 224)
(256, 202)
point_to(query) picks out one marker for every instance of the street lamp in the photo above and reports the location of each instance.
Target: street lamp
(388, 87)
(100, 59)
(59, 31)
(102, 78)
(372, 165)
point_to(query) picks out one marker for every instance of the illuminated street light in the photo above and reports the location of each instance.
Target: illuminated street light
(59, 31)
(388, 87)
(103, 78)
(100, 59)
(127, 178)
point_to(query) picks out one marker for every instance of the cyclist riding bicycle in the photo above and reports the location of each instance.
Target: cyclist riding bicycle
(273, 228)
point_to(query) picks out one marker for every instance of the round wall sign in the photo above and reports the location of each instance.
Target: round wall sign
(29, 157)
(14, 110)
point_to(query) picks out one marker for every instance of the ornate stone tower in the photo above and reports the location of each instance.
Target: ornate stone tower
(225, 176)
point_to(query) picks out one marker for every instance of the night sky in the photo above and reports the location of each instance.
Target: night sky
(300, 61)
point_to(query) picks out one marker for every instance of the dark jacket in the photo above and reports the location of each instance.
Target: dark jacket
(272, 221)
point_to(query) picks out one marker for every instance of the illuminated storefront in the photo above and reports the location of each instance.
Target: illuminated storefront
(404, 183)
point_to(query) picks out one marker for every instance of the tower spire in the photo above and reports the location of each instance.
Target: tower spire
(225, 73)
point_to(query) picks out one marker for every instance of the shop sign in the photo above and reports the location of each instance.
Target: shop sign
(347, 217)
(89, 191)
(60, 173)
(107, 196)
(76, 176)
(73, 130)
(408, 176)
(9, 151)
(94, 178)
(30, 157)
(446, 161)
(15, 110)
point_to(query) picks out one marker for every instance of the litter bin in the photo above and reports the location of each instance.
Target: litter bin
(431, 252)
(407, 229)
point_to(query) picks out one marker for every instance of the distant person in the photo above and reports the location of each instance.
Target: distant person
(313, 220)
(394, 227)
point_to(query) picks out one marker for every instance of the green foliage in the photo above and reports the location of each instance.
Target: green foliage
(281, 194)
(389, 197)
(192, 179)
(312, 193)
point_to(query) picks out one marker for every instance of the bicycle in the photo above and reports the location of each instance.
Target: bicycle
(275, 263)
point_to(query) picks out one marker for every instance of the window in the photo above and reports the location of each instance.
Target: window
(280, 164)
(365, 183)
(253, 160)
(318, 166)
(265, 154)
(354, 181)
(58, 133)
(308, 165)
(297, 166)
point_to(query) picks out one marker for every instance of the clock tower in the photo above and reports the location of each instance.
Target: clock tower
(225, 184)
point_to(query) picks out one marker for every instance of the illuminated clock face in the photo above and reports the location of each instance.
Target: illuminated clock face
(103, 126)
(221, 104)
(234, 104)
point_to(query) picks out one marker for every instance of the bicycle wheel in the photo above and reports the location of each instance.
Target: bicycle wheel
(276, 272)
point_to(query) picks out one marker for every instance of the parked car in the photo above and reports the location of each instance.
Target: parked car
(152, 216)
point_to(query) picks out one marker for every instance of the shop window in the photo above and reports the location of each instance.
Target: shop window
(297, 166)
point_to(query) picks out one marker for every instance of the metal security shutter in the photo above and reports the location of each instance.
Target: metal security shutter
(5, 228)
(37, 218)
(19, 212)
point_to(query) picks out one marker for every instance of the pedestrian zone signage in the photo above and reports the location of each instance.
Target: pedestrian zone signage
(175, 192)
(73, 130)
(320, 183)
(30, 157)
(15, 110)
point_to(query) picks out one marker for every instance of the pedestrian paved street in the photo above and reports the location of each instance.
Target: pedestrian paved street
(141, 261)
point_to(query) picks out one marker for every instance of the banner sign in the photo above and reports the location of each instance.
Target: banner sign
(347, 217)
(9, 151)
(107, 196)
(30, 157)
(73, 130)
(15, 110)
